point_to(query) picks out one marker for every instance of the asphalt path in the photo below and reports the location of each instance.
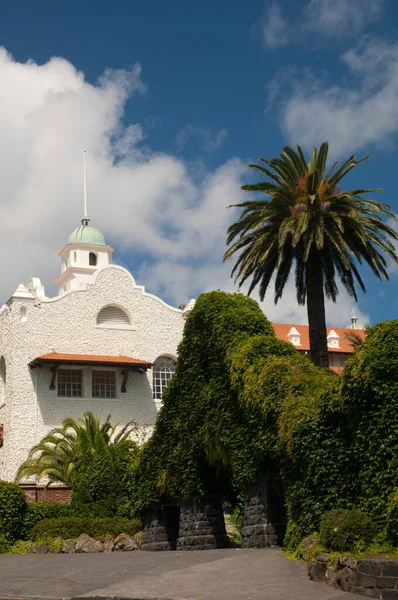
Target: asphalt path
(232, 574)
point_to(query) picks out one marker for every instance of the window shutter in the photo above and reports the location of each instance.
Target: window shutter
(112, 316)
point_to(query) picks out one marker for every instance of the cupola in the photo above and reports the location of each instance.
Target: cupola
(85, 253)
(354, 322)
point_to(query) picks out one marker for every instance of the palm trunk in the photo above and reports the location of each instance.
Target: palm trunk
(316, 310)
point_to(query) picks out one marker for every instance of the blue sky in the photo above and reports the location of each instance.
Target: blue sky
(221, 83)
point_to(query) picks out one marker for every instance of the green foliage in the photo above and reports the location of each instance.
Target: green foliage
(306, 223)
(20, 547)
(37, 511)
(244, 405)
(200, 443)
(88, 456)
(343, 446)
(5, 543)
(99, 480)
(370, 400)
(346, 530)
(392, 519)
(305, 210)
(236, 517)
(58, 453)
(12, 510)
(73, 527)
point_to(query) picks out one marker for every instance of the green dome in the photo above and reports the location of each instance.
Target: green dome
(86, 235)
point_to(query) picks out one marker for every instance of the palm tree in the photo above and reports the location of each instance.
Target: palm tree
(308, 222)
(55, 456)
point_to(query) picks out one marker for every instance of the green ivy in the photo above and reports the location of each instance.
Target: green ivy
(12, 510)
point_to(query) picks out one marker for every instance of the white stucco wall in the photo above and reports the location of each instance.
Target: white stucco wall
(67, 323)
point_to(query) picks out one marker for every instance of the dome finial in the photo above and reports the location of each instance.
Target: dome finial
(85, 189)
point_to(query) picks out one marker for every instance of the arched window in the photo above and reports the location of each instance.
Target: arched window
(163, 370)
(22, 314)
(112, 316)
(92, 259)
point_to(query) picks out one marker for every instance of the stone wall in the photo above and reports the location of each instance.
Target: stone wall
(202, 525)
(160, 529)
(369, 577)
(263, 524)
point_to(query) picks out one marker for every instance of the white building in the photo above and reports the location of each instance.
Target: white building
(102, 345)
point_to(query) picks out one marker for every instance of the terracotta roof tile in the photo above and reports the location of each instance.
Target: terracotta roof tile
(282, 330)
(118, 360)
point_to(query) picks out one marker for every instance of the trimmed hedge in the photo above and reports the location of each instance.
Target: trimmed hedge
(341, 530)
(73, 527)
(37, 511)
(13, 507)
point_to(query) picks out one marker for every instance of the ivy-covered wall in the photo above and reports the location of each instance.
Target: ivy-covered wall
(243, 404)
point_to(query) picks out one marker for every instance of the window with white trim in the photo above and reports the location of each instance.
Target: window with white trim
(163, 370)
(112, 316)
(70, 383)
(104, 384)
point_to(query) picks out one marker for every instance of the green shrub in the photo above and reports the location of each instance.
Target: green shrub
(5, 543)
(21, 547)
(12, 510)
(73, 527)
(37, 511)
(98, 478)
(342, 530)
(392, 520)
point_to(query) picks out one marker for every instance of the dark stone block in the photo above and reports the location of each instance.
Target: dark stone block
(264, 514)
(367, 592)
(363, 567)
(389, 594)
(202, 525)
(389, 569)
(160, 529)
(366, 581)
(386, 582)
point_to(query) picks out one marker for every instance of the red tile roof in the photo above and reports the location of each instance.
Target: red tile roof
(282, 330)
(94, 359)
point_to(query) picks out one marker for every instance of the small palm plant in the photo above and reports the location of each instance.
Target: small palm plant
(307, 223)
(55, 456)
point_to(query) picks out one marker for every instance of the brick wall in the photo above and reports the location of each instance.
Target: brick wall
(54, 493)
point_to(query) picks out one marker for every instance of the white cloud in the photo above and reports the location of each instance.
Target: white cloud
(274, 27)
(341, 17)
(207, 141)
(146, 203)
(351, 116)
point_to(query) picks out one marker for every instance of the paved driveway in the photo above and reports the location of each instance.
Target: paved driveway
(208, 575)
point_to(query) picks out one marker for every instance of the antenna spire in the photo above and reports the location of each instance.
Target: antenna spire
(85, 185)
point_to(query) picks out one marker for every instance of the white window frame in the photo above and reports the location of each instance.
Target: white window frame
(158, 388)
(104, 370)
(66, 368)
